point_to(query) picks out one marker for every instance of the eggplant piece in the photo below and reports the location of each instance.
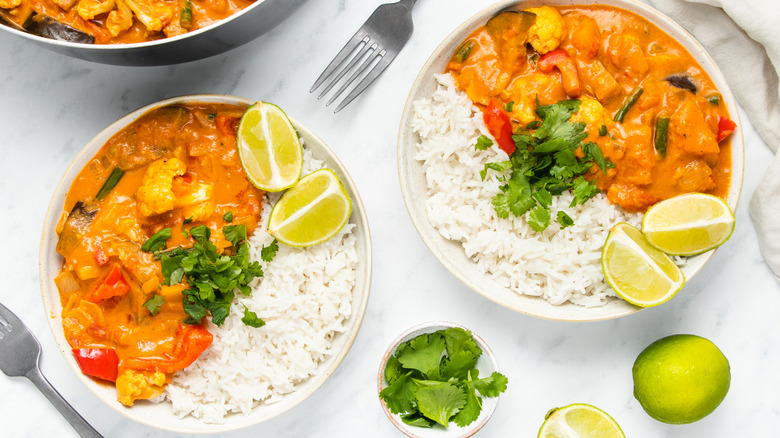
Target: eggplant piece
(76, 226)
(509, 30)
(48, 27)
(682, 82)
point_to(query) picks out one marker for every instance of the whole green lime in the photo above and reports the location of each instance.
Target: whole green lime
(680, 379)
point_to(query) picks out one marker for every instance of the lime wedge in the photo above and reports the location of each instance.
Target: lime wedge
(269, 148)
(579, 421)
(638, 272)
(313, 211)
(688, 224)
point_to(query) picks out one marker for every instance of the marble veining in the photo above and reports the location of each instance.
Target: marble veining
(51, 105)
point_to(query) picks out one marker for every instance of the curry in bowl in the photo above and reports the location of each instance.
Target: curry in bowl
(655, 114)
(175, 168)
(115, 21)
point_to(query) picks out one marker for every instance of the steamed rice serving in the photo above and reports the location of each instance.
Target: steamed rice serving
(305, 298)
(558, 265)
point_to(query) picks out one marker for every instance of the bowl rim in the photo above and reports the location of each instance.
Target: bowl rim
(427, 328)
(655, 17)
(333, 361)
(131, 46)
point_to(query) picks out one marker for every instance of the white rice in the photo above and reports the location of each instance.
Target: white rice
(305, 298)
(557, 265)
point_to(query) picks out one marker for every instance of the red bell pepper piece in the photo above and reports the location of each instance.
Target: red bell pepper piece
(227, 125)
(102, 363)
(100, 256)
(725, 127)
(193, 340)
(113, 285)
(562, 60)
(500, 127)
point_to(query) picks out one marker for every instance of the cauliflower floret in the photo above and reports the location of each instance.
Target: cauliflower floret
(89, 9)
(595, 116)
(120, 19)
(134, 385)
(548, 30)
(155, 195)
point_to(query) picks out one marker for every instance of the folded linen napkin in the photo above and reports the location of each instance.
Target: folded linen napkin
(742, 38)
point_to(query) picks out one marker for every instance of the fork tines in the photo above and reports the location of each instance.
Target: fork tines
(359, 55)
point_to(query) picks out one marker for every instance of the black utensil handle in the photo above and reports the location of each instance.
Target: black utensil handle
(77, 421)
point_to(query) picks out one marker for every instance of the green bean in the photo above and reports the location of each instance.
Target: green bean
(464, 51)
(630, 101)
(185, 19)
(110, 183)
(661, 132)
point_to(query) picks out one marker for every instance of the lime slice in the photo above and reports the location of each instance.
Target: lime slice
(313, 211)
(579, 421)
(688, 224)
(269, 148)
(637, 271)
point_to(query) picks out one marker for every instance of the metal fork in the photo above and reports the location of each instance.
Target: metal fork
(19, 355)
(374, 46)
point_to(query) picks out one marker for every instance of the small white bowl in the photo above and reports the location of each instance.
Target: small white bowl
(486, 365)
(161, 415)
(450, 253)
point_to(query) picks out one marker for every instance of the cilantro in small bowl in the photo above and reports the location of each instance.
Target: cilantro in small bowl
(440, 378)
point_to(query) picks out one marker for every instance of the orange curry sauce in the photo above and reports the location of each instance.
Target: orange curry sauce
(180, 163)
(613, 52)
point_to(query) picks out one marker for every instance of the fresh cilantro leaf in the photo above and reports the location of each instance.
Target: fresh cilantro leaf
(154, 304)
(193, 308)
(501, 205)
(501, 166)
(228, 217)
(187, 221)
(543, 197)
(483, 143)
(593, 152)
(424, 355)
(491, 386)
(564, 219)
(200, 233)
(533, 125)
(603, 130)
(393, 369)
(399, 395)
(458, 339)
(508, 107)
(556, 144)
(157, 241)
(250, 318)
(470, 411)
(440, 402)
(539, 218)
(458, 364)
(583, 190)
(235, 234)
(417, 420)
(269, 252)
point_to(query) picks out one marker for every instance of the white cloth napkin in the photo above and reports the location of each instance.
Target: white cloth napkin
(743, 38)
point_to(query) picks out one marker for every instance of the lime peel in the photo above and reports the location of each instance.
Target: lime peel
(579, 420)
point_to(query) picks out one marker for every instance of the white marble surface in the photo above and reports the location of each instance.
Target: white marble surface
(52, 105)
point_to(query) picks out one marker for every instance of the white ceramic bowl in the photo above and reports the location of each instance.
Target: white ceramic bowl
(161, 415)
(486, 365)
(450, 253)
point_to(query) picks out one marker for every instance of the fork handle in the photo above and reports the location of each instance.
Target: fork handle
(77, 421)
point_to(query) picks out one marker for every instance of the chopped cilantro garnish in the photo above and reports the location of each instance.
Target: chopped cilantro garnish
(483, 143)
(153, 304)
(508, 107)
(157, 241)
(564, 219)
(211, 277)
(250, 318)
(433, 379)
(603, 130)
(546, 163)
(228, 217)
(269, 252)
